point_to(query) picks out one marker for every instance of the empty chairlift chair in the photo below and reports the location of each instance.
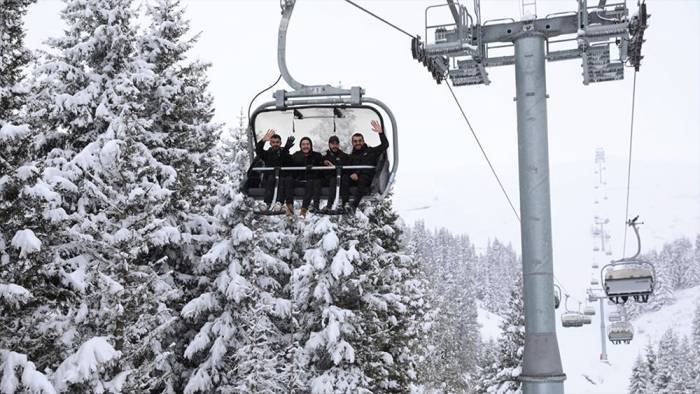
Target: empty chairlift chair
(620, 332)
(589, 311)
(571, 318)
(614, 317)
(629, 277)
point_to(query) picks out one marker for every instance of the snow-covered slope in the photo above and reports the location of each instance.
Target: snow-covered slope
(580, 347)
(489, 323)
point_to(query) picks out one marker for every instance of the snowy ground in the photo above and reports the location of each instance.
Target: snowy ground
(580, 347)
(489, 323)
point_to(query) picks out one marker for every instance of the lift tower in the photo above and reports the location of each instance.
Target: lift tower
(462, 50)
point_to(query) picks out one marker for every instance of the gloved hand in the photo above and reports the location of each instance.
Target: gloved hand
(290, 142)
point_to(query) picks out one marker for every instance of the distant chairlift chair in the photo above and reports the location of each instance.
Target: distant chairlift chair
(620, 332)
(629, 277)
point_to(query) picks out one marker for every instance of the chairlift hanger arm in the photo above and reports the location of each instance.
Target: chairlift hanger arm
(302, 90)
(454, 11)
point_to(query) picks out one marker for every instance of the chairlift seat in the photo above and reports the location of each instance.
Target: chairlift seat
(633, 278)
(586, 319)
(571, 319)
(614, 317)
(620, 332)
(589, 311)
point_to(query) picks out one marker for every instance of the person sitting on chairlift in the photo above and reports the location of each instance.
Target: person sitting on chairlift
(365, 156)
(311, 180)
(335, 157)
(275, 156)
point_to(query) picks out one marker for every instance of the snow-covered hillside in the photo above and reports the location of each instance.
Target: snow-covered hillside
(580, 347)
(489, 323)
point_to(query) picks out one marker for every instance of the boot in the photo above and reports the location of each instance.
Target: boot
(290, 209)
(303, 212)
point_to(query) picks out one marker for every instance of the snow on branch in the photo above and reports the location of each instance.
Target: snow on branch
(14, 295)
(31, 380)
(204, 303)
(26, 241)
(85, 364)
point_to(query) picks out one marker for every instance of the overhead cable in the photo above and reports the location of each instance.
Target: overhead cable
(380, 18)
(493, 170)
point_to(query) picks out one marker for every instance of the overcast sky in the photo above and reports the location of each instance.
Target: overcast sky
(441, 166)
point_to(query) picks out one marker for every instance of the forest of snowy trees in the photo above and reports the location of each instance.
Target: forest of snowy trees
(130, 260)
(671, 366)
(459, 281)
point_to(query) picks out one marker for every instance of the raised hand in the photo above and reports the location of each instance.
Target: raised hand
(269, 134)
(376, 127)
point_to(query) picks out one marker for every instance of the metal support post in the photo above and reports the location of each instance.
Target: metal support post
(603, 339)
(542, 370)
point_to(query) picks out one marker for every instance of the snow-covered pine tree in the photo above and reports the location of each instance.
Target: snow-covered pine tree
(677, 259)
(14, 58)
(683, 378)
(16, 166)
(511, 345)
(695, 346)
(650, 363)
(182, 137)
(240, 315)
(54, 254)
(667, 361)
(358, 299)
(94, 251)
(640, 378)
(487, 367)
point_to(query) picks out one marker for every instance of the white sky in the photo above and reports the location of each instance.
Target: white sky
(441, 166)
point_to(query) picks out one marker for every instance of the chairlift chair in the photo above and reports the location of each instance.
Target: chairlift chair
(586, 319)
(629, 277)
(594, 281)
(589, 311)
(557, 296)
(614, 316)
(571, 318)
(595, 265)
(591, 296)
(323, 102)
(621, 332)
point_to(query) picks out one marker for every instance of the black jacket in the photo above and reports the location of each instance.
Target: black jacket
(271, 157)
(300, 159)
(369, 155)
(339, 158)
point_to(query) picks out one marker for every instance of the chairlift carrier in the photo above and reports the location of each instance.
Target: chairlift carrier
(570, 318)
(621, 332)
(321, 96)
(629, 277)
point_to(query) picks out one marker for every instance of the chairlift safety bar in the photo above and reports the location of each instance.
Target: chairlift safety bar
(326, 168)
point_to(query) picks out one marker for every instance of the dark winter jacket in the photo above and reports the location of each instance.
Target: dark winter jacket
(369, 155)
(339, 158)
(301, 159)
(272, 157)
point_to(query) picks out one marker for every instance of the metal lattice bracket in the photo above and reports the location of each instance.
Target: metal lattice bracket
(463, 48)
